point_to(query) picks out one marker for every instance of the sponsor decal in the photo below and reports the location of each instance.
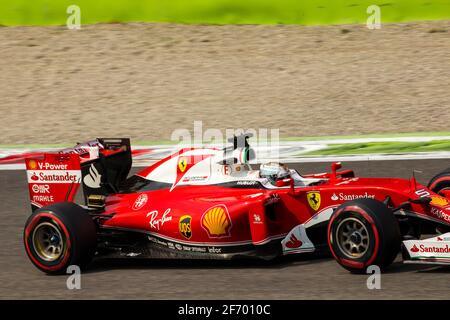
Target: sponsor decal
(214, 250)
(346, 197)
(40, 199)
(182, 164)
(51, 166)
(257, 219)
(133, 254)
(185, 163)
(157, 222)
(54, 176)
(32, 164)
(93, 178)
(423, 248)
(40, 188)
(217, 222)
(423, 193)
(274, 198)
(198, 249)
(184, 226)
(177, 246)
(246, 183)
(439, 201)
(195, 178)
(43, 193)
(140, 201)
(440, 214)
(293, 242)
(297, 241)
(157, 241)
(314, 200)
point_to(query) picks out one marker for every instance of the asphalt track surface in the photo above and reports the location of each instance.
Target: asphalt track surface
(300, 277)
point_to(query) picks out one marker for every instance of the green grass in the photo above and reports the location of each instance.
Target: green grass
(382, 147)
(305, 12)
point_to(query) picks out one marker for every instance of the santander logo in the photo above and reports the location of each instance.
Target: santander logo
(293, 242)
(430, 249)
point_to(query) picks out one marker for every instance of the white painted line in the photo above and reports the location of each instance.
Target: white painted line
(286, 151)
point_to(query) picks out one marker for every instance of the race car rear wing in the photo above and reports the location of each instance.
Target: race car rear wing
(101, 165)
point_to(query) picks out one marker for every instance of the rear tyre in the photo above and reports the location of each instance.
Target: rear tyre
(440, 182)
(363, 232)
(60, 235)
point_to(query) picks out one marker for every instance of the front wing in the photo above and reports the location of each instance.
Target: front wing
(428, 251)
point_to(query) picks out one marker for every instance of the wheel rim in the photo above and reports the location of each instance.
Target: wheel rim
(352, 238)
(48, 241)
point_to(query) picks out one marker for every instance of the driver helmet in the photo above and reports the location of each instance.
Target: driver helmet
(274, 171)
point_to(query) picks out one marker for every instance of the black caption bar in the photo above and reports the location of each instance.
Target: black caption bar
(218, 309)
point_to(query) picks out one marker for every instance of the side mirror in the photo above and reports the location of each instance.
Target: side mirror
(335, 166)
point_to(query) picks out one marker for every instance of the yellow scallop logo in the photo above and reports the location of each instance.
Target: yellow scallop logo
(217, 222)
(439, 201)
(32, 164)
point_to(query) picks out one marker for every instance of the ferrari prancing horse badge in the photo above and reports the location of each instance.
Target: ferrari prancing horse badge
(313, 200)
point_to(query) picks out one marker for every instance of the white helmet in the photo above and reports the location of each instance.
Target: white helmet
(274, 171)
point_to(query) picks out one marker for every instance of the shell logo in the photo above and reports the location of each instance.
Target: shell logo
(32, 164)
(217, 222)
(439, 201)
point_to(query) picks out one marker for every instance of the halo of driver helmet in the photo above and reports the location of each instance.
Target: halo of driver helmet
(274, 171)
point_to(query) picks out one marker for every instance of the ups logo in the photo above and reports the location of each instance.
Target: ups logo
(184, 226)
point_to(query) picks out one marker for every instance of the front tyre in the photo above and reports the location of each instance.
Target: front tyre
(60, 235)
(363, 232)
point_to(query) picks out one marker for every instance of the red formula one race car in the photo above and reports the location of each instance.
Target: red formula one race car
(207, 203)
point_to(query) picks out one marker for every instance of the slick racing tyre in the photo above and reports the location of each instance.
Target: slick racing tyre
(363, 232)
(440, 181)
(60, 235)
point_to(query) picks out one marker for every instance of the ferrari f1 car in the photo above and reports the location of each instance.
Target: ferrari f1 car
(209, 203)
